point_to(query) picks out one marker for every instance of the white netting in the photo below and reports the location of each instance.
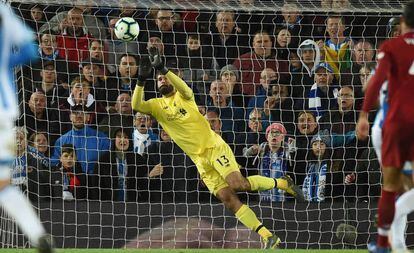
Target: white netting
(88, 207)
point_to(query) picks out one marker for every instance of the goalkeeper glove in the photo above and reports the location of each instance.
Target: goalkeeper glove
(144, 70)
(156, 60)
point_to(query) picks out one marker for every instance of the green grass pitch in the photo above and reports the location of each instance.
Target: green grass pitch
(177, 251)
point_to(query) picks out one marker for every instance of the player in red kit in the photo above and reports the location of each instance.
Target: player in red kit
(395, 64)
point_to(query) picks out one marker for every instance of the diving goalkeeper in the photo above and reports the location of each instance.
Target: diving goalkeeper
(177, 113)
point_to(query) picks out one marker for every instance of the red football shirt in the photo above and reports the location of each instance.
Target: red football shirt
(395, 64)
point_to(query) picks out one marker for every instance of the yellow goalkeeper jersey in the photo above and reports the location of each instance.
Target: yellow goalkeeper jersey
(179, 117)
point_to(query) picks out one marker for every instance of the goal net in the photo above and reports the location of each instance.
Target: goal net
(103, 176)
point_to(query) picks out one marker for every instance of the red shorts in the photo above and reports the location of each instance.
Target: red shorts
(397, 145)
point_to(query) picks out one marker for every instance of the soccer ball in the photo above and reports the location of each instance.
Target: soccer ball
(126, 29)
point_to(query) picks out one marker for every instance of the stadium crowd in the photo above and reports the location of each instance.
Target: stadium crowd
(256, 76)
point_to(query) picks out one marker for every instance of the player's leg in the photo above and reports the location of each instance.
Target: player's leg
(218, 186)
(386, 205)
(403, 206)
(224, 162)
(11, 198)
(395, 150)
(246, 215)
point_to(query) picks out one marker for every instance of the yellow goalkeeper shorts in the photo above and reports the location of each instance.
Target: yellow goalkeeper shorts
(215, 164)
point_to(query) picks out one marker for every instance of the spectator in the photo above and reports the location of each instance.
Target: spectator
(303, 79)
(94, 73)
(98, 50)
(73, 40)
(341, 123)
(294, 22)
(362, 54)
(317, 169)
(47, 47)
(253, 63)
(255, 135)
(366, 177)
(279, 106)
(213, 119)
(143, 134)
(226, 44)
(172, 173)
(38, 117)
(341, 4)
(48, 51)
(394, 28)
(28, 172)
(337, 49)
(121, 117)
(249, 20)
(89, 143)
(127, 75)
(201, 109)
(274, 159)
(172, 36)
(50, 86)
(68, 178)
(122, 175)
(40, 142)
(78, 16)
(155, 40)
(197, 66)
(323, 94)
(257, 123)
(294, 62)
(37, 17)
(364, 74)
(231, 77)
(80, 94)
(231, 117)
(283, 44)
(326, 4)
(267, 76)
(307, 127)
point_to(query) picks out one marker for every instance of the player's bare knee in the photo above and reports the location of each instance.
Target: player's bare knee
(392, 179)
(237, 182)
(228, 198)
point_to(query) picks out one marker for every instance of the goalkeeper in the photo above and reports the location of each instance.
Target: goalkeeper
(177, 113)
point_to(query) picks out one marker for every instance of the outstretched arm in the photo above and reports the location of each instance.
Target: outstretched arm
(138, 103)
(176, 81)
(179, 84)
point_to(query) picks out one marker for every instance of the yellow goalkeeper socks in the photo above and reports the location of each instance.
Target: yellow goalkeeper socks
(246, 216)
(261, 183)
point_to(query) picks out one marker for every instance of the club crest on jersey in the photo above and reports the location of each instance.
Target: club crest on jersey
(178, 114)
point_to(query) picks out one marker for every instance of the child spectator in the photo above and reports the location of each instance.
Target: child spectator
(68, 178)
(274, 159)
(40, 142)
(314, 185)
